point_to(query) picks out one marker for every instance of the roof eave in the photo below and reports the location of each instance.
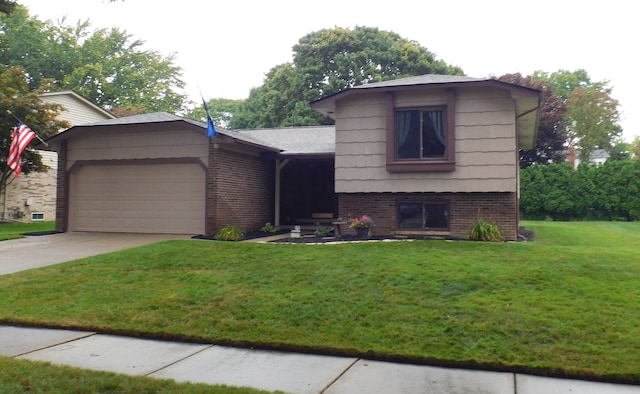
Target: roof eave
(527, 121)
(327, 104)
(52, 143)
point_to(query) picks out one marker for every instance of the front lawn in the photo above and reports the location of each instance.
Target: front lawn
(567, 304)
(15, 230)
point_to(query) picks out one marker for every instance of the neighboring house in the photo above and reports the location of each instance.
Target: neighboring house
(597, 157)
(33, 197)
(422, 155)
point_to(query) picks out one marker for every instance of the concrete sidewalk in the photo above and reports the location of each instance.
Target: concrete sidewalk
(271, 370)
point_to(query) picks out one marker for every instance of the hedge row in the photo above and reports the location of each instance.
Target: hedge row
(610, 191)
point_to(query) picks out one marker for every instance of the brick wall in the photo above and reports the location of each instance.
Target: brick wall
(62, 200)
(464, 208)
(239, 190)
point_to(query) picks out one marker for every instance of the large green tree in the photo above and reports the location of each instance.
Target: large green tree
(327, 61)
(552, 131)
(592, 114)
(108, 66)
(7, 6)
(564, 82)
(17, 100)
(635, 148)
(220, 109)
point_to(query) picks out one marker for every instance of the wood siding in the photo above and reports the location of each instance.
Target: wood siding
(485, 144)
(76, 112)
(138, 142)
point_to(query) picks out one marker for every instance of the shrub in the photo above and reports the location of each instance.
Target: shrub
(610, 191)
(268, 228)
(229, 233)
(485, 231)
(323, 231)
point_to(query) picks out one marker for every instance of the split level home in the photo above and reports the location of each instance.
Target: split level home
(421, 155)
(32, 197)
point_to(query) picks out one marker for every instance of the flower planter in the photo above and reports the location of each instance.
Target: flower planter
(362, 232)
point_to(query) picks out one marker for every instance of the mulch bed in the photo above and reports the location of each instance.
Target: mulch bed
(247, 235)
(523, 235)
(38, 233)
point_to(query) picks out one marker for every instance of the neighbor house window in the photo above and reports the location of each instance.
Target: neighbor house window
(423, 216)
(421, 134)
(36, 216)
(421, 139)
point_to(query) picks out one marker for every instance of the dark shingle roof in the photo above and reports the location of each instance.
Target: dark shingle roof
(295, 140)
(136, 119)
(290, 141)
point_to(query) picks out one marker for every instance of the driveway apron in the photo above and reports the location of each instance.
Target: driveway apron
(39, 251)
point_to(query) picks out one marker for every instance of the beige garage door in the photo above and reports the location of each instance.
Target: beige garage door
(139, 198)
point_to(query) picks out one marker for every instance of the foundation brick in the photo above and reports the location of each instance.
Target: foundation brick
(464, 209)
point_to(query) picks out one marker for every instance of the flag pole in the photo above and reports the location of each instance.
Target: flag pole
(37, 136)
(211, 128)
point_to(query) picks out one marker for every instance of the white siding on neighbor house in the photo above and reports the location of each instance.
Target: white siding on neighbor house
(134, 143)
(75, 111)
(486, 159)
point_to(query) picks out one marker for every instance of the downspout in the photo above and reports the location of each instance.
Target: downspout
(279, 166)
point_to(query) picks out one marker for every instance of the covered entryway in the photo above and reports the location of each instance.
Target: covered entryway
(145, 196)
(307, 191)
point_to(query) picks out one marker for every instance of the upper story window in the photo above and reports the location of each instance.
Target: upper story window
(421, 134)
(421, 139)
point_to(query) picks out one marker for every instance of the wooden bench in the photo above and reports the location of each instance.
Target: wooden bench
(337, 232)
(318, 218)
(327, 219)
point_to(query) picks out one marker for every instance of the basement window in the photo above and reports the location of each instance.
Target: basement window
(423, 216)
(37, 216)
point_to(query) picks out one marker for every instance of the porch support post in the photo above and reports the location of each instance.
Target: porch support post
(279, 166)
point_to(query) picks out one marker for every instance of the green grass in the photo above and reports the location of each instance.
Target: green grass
(16, 229)
(567, 304)
(21, 376)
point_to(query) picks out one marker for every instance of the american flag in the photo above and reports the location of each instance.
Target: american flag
(22, 135)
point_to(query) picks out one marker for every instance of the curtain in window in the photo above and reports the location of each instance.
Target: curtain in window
(403, 124)
(437, 120)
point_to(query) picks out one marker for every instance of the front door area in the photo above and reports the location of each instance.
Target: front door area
(307, 189)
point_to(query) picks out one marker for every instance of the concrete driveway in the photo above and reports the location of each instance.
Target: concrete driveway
(38, 251)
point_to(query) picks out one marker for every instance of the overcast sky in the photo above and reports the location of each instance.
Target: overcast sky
(226, 47)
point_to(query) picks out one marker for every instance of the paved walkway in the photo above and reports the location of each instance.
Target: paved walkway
(271, 370)
(39, 251)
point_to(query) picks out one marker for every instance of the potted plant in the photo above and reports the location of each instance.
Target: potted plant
(362, 225)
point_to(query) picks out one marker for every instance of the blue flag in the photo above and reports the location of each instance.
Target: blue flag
(211, 129)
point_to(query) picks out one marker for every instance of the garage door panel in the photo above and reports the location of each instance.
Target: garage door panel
(149, 198)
